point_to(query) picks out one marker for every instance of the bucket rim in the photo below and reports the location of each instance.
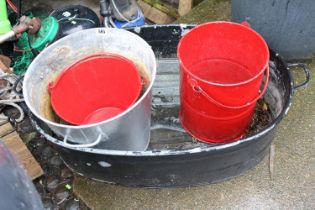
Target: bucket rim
(90, 31)
(185, 68)
(61, 79)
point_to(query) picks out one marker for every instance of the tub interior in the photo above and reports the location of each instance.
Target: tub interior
(166, 131)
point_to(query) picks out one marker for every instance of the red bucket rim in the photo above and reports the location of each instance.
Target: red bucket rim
(87, 58)
(244, 26)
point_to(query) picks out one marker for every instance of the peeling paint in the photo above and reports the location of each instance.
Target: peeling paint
(104, 164)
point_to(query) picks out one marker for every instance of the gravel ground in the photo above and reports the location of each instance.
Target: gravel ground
(55, 186)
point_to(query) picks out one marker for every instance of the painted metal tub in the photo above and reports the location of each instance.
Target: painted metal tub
(173, 159)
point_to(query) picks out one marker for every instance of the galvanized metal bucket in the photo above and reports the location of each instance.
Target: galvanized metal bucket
(129, 130)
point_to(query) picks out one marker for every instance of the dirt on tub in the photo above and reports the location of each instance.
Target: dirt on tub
(262, 117)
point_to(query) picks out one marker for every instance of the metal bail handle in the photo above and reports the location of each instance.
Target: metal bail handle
(97, 141)
(50, 138)
(198, 89)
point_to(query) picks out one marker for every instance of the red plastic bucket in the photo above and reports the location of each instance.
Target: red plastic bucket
(223, 72)
(95, 88)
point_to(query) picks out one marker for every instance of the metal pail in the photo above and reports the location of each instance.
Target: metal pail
(129, 130)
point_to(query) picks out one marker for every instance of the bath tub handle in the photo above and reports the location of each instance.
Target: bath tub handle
(306, 72)
(97, 141)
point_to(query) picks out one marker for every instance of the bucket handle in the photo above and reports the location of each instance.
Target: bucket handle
(307, 74)
(198, 89)
(97, 141)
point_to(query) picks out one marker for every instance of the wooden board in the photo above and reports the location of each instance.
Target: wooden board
(6, 129)
(5, 63)
(155, 15)
(20, 151)
(3, 119)
(163, 7)
(184, 7)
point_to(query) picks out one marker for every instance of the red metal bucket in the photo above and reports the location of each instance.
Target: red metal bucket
(222, 68)
(95, 88)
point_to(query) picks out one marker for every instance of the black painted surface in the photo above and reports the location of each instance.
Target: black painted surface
(287, 25)
(170, 170)
(74, 18)
(182, 167)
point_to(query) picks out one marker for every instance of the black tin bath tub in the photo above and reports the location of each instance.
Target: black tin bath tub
(173, 159)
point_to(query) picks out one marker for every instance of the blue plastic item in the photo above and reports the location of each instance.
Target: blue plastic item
(138, 21)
